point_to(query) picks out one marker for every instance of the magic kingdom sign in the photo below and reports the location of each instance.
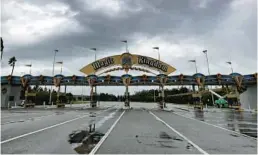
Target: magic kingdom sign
(126, 61)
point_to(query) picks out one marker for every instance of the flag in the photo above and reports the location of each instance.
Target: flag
(156, 48)
(2, 44)
(60, 62)
(2, 47)
(205, 51)
(94, 49)
(192, 61)
(229, 62)
(56, 50)
(124, 41)
(29, 65)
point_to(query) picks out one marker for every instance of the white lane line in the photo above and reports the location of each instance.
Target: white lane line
(195, 145)
(27, 119)
(95, 149)
(30, 133)
(216, 126)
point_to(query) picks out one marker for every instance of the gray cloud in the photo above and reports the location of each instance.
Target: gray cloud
(182, 29)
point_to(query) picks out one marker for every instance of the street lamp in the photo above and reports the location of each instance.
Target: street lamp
(61, 63)
(53, 70)
(95, 50)
(194, 63)
(161, 88)
(230, 63)
(157, 48)
(29, 65)
(126, 46)
(206, 53)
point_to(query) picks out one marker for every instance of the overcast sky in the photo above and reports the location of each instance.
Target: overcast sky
(33, 29)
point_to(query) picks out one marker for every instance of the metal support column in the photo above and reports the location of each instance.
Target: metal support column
(163, 96)
(193, 87)
(127, 101)
(93, 97)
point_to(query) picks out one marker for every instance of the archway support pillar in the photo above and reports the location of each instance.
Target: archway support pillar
(127, 96)
(93, 96)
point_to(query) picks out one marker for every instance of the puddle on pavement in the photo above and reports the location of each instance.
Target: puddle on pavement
(189, 146)
(59, 113)
(164, 135)
(252, 146)
(84, 141)
(163, 140)
(199, 114)
(234, 135)
(92, 114)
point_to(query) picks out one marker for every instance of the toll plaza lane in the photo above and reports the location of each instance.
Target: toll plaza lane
(55, 140)
(211, 139)
(19, 128)
(9, 116)
(138, 132)
(22, 116)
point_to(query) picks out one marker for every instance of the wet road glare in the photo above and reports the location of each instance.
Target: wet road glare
(143, 129)
(239, 121)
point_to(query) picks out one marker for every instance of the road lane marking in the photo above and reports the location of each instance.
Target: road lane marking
(95, 149)
(30, 133)
(215, 126)
(27, 119)
(49, 127)
(189, 141)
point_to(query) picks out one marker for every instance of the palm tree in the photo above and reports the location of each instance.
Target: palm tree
(12, 62)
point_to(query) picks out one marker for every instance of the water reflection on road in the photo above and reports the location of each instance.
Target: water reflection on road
(243, 122)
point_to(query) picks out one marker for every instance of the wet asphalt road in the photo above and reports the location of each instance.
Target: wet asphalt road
(138, 131)
(53, 140)
(243, 122)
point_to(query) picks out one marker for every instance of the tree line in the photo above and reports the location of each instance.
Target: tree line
(42, 95)
(148, 96)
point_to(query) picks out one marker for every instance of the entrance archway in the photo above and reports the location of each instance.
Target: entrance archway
(126, 62)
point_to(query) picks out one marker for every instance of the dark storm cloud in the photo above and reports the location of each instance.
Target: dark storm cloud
(207, 24)
(155, 18)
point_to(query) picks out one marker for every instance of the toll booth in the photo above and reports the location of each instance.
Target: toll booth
(233, 101)
(197, 101)
(30, 100)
